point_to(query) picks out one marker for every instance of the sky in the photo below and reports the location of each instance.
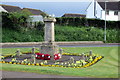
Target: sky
(52, 7)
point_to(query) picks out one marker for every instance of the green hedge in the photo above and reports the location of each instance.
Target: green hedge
(62, 33)
(68, 21)
(23, 35)
(81, 33)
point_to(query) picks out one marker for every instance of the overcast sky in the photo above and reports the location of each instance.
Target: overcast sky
(45, 0)
(56, 7)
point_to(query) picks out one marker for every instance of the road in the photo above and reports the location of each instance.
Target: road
(82, 45)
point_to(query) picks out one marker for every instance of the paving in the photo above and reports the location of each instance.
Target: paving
(12, 74)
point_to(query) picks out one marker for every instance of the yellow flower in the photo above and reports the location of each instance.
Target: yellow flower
(25, 64)
(99, 57)
(77, 62)
(57, 65)
(3, 62)
(53, 65)
(95, 59)
(14, 63)
(46, 65)
(93, 62)
(29, 64)
(10, 62)
(41, 63)
(49, 65)
(37, 64)
(22, 63)
(33, 64)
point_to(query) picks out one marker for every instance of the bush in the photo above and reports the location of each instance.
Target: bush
(77, 22)
(62, 33)
(6, 21)
(14, 20)
(81, 33)
(40, 26)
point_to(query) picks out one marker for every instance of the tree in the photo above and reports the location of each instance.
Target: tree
(6, 21)
(20, 18)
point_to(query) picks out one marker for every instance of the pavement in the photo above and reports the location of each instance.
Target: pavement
(61, 44)
(12, 74)
(58, 43)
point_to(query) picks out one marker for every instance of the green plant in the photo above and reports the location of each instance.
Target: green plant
(76, 22)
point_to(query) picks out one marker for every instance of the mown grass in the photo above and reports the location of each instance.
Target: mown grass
(106, 68)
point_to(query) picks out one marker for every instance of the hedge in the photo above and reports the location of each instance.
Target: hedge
(69, 21)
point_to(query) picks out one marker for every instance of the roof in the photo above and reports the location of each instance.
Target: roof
(34, 11)
(11, 8)
(74, 15)
(110, 5)
(107, 0)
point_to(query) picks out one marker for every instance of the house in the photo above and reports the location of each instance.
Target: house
(9, 8)
(98, 9)
(74, 15)
(35, 17)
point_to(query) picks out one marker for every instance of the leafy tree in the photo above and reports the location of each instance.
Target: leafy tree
(20, 18)
(6, 21)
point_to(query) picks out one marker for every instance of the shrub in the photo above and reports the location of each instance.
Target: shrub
(62, 33)
(77, 22)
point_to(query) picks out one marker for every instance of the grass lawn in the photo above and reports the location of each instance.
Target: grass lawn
(106, 68)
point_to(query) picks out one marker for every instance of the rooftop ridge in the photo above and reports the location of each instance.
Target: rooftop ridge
(31, 8)
(74, 14)
(8, 5)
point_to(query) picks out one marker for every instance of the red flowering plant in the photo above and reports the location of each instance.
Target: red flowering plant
(42, 56)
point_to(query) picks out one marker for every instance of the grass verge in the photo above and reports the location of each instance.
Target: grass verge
(106, 68)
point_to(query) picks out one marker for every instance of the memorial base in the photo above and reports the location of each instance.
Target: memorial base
(49, 48)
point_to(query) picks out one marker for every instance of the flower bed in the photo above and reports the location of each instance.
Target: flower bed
(76, 64)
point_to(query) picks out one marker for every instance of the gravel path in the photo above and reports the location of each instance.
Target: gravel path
(11, 74)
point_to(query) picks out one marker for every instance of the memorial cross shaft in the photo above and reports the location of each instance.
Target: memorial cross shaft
(49, 46)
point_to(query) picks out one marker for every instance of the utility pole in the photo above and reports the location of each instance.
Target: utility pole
(105, 23)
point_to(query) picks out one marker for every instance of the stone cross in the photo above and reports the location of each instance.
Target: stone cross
(49, 29)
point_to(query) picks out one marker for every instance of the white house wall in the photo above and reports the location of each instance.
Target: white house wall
(90, 11)
(2, 9)
(35, 18)
(110, 17)
(98, 11)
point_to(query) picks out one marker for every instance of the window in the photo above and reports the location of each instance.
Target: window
(116, 13)
(107, 12)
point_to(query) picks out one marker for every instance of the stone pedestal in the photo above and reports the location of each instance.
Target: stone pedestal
(49, 46)
(49, 29)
